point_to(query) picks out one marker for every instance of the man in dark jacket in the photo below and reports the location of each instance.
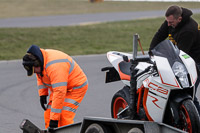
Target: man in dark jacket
(184, 32)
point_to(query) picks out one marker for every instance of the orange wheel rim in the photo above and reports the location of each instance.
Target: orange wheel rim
(187, 120)
(119, 104)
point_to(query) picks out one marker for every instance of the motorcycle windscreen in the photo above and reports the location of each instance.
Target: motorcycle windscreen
(167, 49)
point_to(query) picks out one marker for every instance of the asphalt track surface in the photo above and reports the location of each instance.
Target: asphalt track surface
(19, 97)
(80, 19)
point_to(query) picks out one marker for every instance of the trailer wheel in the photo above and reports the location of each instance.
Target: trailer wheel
(96, 128)
(135, 130)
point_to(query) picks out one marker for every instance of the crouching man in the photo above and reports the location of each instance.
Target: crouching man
(60, 78)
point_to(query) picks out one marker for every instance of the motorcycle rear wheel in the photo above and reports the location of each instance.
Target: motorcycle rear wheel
(189, 117)
(120, 101)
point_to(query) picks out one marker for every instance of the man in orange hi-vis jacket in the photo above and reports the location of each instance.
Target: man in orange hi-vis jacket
(59, 73)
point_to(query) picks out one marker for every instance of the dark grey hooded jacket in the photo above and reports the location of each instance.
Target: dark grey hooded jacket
(186, 35)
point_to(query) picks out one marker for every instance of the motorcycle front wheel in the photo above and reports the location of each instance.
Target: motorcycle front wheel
(189, 117)
(120, 101)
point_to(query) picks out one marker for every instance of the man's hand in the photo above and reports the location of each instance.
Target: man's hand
(43, 101)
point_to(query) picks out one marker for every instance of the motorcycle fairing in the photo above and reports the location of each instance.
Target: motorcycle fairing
(160, 87)
(155, 106)
(156, 88)
(165, 72)
(115, 57)
(190, 65)
(156, 99)
(141, 67)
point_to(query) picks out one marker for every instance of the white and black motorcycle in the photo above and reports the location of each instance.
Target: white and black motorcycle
(158, 87)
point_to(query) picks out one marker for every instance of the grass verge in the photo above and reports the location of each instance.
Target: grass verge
(79, 40)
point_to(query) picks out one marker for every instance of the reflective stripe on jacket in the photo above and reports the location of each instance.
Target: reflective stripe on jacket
(61, 74)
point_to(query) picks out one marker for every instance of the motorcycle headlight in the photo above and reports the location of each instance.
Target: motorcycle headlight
(181, 72)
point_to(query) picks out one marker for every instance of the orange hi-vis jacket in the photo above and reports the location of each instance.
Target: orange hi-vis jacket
(61, 74)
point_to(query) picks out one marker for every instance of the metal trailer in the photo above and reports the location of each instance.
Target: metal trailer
(105, 125)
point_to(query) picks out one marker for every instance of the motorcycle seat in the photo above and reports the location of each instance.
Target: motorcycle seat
(125, 66)
(124, 70)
